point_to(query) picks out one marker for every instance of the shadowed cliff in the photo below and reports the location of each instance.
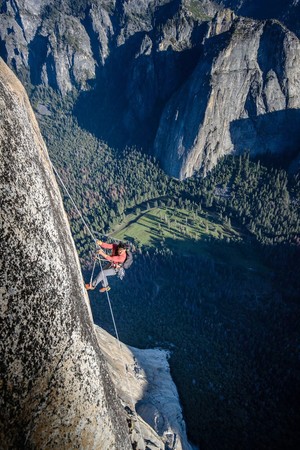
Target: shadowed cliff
(274, 133)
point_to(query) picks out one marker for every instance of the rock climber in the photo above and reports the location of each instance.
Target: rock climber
(116, 260)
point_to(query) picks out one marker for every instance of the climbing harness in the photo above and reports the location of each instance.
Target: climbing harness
(107, 295)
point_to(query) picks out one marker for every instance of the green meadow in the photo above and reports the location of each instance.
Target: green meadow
(187, 233)
(156, 224)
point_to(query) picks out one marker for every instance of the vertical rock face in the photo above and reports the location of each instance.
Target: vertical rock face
(243, 95)
(60, 384)
(55, 391)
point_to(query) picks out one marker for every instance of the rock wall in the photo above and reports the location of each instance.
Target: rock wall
(240, 97)
(45, 44)
(287, 11)
(56, 391)
(62, 45)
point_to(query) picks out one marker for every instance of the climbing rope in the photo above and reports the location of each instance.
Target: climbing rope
(107, 294)
(123, 362)
(92, 274)
(74, 204)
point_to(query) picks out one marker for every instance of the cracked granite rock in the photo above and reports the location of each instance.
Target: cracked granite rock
(55, 389)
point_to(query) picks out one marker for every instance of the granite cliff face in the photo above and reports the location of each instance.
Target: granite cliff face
(243, 95)
(45, 44)
(63, 45)
(56, 388)
(200, 82)
(60, 44)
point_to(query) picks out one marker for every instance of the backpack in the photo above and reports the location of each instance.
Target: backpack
(129, 259)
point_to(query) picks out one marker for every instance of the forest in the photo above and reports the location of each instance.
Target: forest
(224, 300)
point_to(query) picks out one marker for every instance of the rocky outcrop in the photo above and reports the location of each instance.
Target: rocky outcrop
(55, 388)
(142, 377)
(241, 96)
(59, 44)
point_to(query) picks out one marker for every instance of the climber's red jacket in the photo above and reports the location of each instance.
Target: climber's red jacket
(114, 258)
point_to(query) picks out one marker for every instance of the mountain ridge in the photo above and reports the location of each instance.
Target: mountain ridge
(162, 44)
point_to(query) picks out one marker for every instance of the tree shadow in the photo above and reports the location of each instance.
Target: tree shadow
(219, 310)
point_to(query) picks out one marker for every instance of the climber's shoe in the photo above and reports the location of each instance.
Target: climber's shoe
(89, 287)
(105, 289)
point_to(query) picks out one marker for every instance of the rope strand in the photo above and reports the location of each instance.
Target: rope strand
(108, 299)
(120, 348)
(70, 197)
(123, 362)
(92, 274)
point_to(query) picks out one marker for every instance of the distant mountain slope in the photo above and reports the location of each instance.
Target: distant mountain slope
(129, 66)
(287, 11)
(243, 95)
